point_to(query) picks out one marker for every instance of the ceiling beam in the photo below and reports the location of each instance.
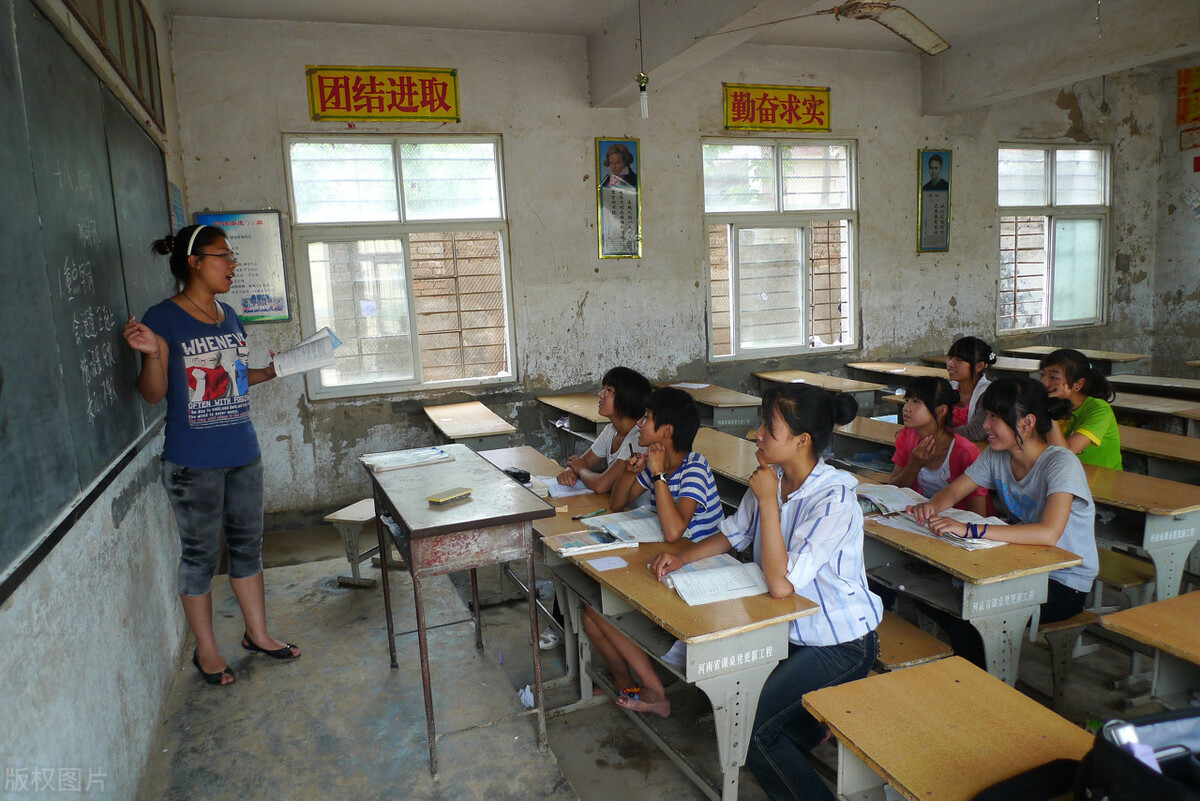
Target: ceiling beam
(670, 29)
(1059, 51)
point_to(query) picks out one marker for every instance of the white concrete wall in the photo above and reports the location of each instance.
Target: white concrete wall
(92, 637)
(241, 86)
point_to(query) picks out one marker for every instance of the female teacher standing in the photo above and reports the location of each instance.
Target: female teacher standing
(211, 465)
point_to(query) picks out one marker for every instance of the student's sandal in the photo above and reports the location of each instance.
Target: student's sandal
(279, 653)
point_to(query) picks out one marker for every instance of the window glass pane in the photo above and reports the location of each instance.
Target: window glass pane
(451, 181)
(458, 284)
(739, 178)
(360, 291)
(1078, 177)
(718, 287)
(343, 182)
(1076, 269)
(815, 176)
(1022, 177)
(1023, 269)
(769, 288)
(829, 284)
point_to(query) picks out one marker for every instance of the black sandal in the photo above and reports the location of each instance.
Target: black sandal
(213, 678)
(279, 653)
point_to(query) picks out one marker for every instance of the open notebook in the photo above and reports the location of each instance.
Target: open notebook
(892, 501)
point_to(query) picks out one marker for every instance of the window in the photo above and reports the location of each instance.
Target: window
(1053, 224)
(780, 217)
(400, 246)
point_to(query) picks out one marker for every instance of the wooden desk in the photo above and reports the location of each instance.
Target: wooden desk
(1192, 416)
(732, 646)
(1171, 519)
(943, 731)
(1106, 361)
(523, 457)
(582, 409)
(471, 424)
(732, 461)
(1170, 627)
(492, 526)
(721, 408)
(1003, 364)
(863, 391)
(1162, 386)
(1167, 455)
(865, 435)
(998, 587)
(894, 371)
(1193, 363)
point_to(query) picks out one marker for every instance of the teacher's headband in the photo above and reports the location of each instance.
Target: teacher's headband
(192, 241)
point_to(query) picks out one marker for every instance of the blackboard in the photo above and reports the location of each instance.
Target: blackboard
(82, 194)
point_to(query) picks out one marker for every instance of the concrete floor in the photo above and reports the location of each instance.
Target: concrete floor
(338, 723)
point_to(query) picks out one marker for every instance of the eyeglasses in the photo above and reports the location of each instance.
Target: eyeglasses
(229, 257)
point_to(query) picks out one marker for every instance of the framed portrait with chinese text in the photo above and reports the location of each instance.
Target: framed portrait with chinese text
(933, 200)
(618, 198)
(259, 291)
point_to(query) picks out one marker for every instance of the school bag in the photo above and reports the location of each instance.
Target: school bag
(1112, 772)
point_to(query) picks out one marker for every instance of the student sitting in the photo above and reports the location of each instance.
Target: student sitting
(1042, 485)
(804, 524)
(1091, 430)
(928, 454)
(623, 401)
(966, 362)
(684, 495)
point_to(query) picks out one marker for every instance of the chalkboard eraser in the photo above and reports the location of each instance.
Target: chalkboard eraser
(449, 496)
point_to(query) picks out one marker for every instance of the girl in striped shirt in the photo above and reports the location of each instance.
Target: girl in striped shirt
(803, 521)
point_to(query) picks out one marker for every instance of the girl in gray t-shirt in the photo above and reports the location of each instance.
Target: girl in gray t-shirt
(1043, 486)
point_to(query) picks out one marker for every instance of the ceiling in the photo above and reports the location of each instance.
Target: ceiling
(958, 21)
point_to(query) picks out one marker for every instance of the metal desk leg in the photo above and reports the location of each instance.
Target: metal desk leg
(426, 679)
(1000, 612)
(475, 616)
(734, 699)
(385, 547)
(351, 532)
(539, 698)
(1002, 635)
(1175, 680)
(1168, 541)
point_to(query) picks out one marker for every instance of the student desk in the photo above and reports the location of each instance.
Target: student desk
(1170, 627)
(943, 731)
(582, 409)
(898, 372)
(1170, 525)
(1167, 455)
(1106, 361)
(723, 409)
(732, 461)
(1162, 386)
(1163, 411)
(1193, 363)
(732, 646)
(860, 436)
(863, 391)
(492, 526)
(1192, 416)
(1003, 364)
(471, 424)
(1000, 587)
(523, 457)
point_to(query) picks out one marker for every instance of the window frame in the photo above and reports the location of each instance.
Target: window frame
(802, 220)
(1052, 212)
(304, 234)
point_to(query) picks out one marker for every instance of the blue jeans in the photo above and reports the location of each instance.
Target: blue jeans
(203, 501)
(784, 732)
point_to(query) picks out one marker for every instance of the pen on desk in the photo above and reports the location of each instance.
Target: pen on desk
(589, 514)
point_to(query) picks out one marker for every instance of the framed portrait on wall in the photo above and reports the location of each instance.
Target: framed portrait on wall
(618, 199)
(933, 203)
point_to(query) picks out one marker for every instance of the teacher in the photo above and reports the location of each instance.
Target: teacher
(211, 463)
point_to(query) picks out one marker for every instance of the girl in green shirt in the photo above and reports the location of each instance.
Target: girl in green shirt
(1091, 431)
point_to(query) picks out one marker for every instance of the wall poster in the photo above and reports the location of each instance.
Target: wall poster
(259, 292)
(618, 199)
(933, 200)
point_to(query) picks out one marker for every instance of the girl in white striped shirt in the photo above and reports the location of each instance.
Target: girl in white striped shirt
(806, 528)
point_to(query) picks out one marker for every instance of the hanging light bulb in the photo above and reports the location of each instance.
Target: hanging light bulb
(642, 78)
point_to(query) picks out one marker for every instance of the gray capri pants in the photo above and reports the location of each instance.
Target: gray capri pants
(205, 499)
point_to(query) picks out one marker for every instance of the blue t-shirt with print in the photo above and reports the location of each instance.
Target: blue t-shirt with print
(208, 409)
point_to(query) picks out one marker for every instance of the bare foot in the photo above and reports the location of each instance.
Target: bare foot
(661, 708)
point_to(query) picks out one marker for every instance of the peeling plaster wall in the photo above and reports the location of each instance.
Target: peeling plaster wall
(576, 314)
(1177, 277)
